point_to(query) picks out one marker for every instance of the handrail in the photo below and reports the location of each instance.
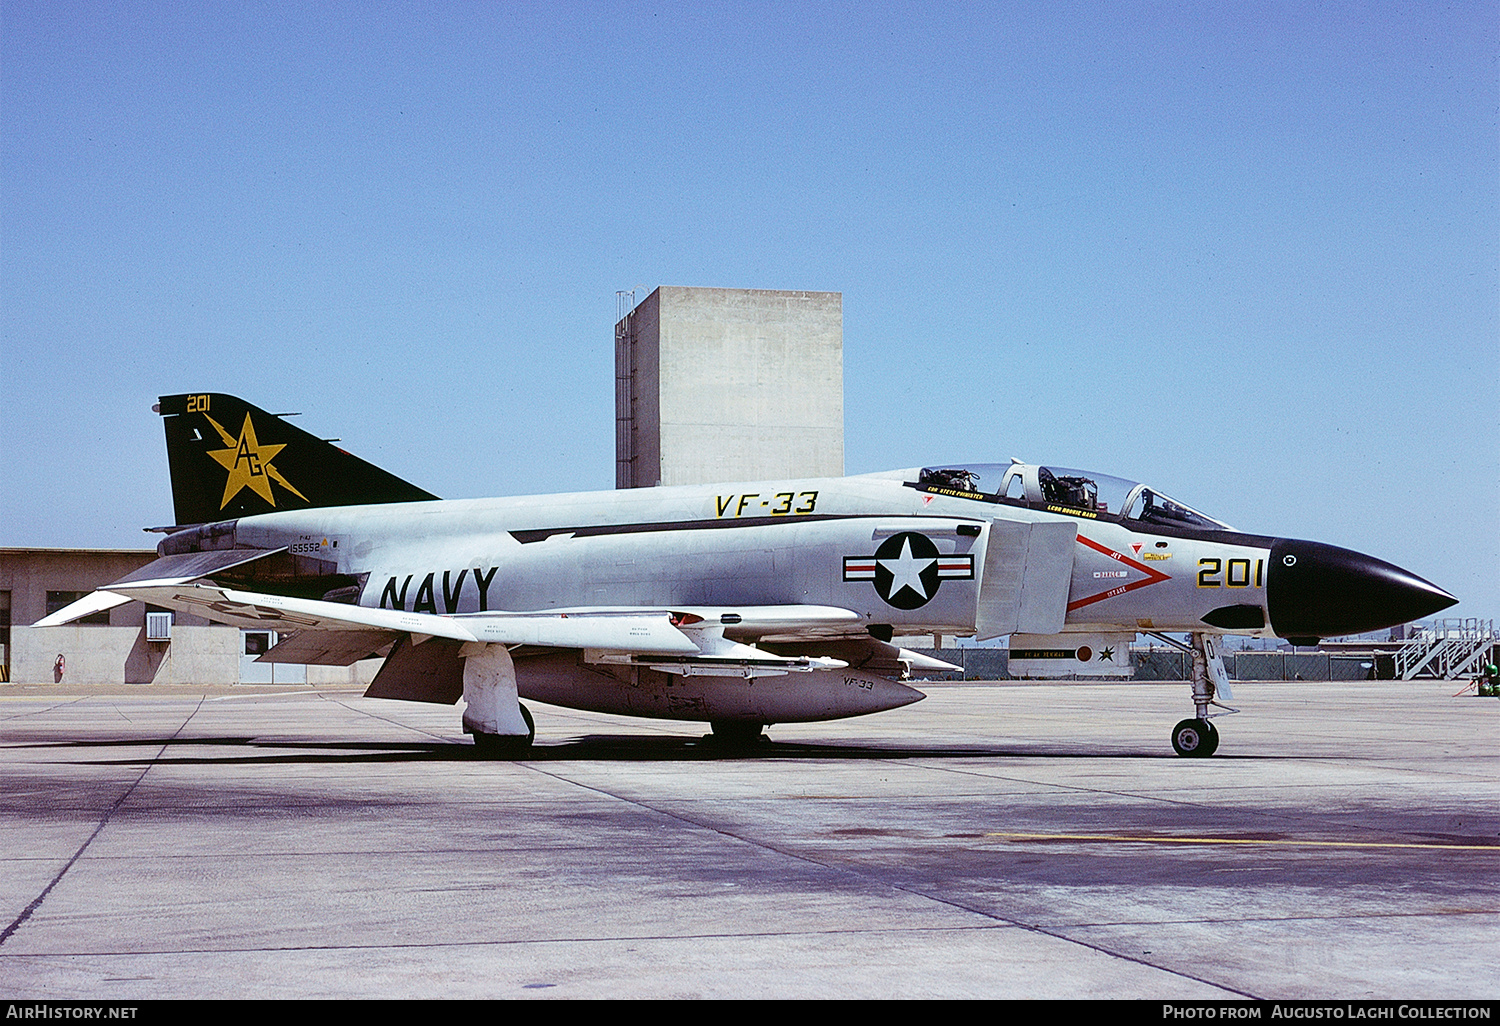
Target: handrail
(1448, 646)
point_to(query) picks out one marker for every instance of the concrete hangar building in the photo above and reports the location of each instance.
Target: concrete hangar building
(710, 385)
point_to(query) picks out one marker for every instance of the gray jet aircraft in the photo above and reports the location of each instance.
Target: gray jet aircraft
(739, 604)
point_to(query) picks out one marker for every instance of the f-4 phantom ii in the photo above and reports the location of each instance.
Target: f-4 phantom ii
(741, 605)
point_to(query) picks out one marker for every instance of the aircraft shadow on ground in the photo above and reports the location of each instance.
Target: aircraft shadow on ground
(591, 747)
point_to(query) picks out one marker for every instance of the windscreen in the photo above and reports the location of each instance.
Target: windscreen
(1151, 507)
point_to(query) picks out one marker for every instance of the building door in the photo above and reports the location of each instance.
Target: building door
(255, 643)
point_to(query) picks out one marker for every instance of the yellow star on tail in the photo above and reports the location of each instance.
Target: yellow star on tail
(249, 464)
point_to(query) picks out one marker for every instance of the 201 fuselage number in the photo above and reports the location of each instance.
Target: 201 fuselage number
(1214, 572)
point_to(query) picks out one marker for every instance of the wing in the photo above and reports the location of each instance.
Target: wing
(743, 641)
(689, 639)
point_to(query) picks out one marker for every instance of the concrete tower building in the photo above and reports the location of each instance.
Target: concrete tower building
(729, 385)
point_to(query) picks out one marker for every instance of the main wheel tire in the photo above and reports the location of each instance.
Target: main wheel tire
(1195, 739)
(507, 746)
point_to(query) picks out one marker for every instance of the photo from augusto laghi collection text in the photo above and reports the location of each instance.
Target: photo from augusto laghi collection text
(1276, 1010)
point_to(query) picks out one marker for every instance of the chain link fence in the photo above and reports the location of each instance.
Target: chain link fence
(1171, 664)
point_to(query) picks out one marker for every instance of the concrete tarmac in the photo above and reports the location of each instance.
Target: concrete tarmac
(1037, 841)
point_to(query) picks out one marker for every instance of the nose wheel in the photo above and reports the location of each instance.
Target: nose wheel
(1195, 739)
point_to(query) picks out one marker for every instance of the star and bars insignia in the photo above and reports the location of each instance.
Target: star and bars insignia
(907, 569)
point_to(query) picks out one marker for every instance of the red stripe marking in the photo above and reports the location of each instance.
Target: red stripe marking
(1153, 576)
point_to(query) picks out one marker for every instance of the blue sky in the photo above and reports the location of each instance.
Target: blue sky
(1247, 252)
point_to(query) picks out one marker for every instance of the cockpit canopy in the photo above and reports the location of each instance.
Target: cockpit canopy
(1064, 490)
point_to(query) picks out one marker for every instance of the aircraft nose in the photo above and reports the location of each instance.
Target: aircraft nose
(1321, 591)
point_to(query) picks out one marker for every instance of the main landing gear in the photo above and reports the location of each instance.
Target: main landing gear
(501, 725)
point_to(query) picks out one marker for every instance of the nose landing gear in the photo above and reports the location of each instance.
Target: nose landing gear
(1198, 738)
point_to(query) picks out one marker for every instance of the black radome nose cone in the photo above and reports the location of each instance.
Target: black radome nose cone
(1321, 591)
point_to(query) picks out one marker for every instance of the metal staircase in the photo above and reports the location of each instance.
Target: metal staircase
(1447, 649)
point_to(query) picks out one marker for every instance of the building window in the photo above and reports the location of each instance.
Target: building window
(58, 599)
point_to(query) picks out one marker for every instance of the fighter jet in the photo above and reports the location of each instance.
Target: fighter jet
(739, 604)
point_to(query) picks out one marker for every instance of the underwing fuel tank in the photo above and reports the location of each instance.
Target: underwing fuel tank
(1321, 591)
(562, 679)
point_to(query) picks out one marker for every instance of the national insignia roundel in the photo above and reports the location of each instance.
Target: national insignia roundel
(907, 569)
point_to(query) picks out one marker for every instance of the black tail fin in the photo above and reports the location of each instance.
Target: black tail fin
(230, 459)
